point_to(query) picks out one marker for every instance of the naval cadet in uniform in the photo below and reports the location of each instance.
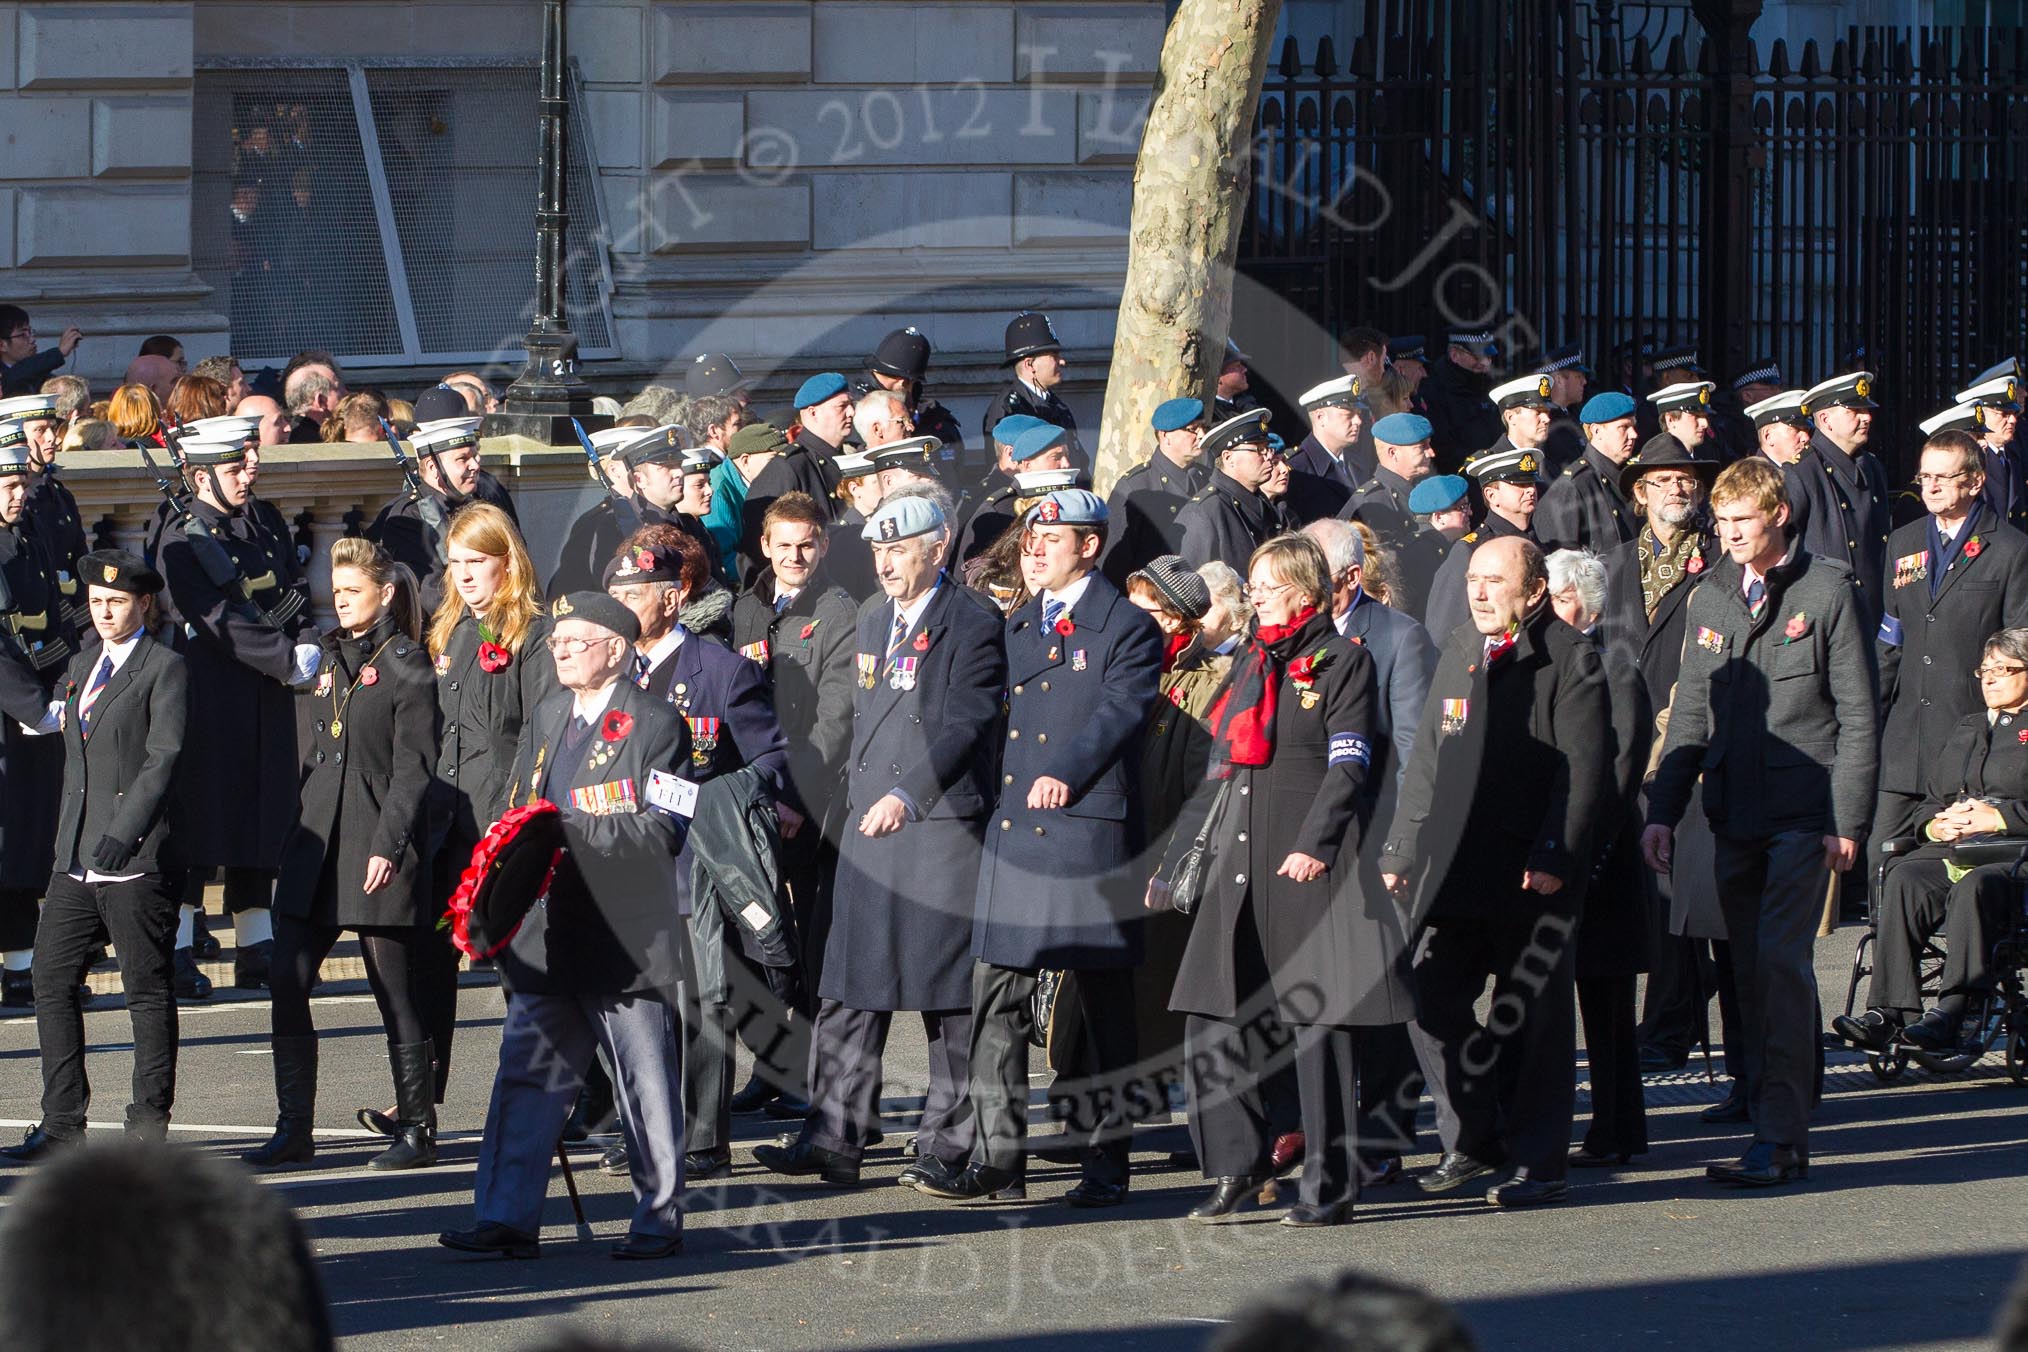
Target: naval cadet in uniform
(1230, 518)
(1337, 455)
(1838, 493)
(1584, 508)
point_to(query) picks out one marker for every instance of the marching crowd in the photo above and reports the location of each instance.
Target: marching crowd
(1237, 788)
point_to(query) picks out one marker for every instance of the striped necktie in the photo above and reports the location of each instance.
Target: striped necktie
(1052, 611)
(900, 632)
(1756, 597)
(85, 705)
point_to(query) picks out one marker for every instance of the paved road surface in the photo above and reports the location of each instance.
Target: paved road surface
(1906, 1236)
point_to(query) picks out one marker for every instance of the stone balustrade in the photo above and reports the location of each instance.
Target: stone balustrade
(332, 489)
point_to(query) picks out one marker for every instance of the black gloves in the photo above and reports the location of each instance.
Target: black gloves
(112, 856)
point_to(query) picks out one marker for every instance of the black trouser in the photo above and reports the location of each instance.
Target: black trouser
(809, 862)
(140, 919)
(1002, 1016)
(1390, 1091)
(1504, 1089)
(1772, 890)
(845, 1081)
(1919, 902)
(1685, 974)
(707, 1076)
(433, 969)
(300, 949)
(1231, 1061)
(1619, 1109)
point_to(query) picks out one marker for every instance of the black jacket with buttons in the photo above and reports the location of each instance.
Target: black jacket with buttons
(117, 781)
(1982, 760)
(1143, 511)
(1839, 510)
(1583, 508)
(1224, 522)
(482, 712)
(366, 784)
(1928, 644)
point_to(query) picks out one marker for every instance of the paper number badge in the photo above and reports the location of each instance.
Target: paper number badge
(672, 794)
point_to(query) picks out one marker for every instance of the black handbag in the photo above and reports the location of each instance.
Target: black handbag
(1193, 871)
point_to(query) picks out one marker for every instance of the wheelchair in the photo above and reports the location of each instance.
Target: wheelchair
(1997, 1017)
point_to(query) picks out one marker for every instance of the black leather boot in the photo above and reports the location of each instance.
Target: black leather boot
(296, 1102)
(415, 1137)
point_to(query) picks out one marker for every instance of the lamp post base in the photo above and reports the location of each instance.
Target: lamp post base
(541, 402)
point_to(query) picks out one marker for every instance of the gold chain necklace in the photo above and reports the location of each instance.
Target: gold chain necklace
(338, 708)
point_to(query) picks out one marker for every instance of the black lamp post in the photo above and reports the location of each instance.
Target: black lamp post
(548, 392)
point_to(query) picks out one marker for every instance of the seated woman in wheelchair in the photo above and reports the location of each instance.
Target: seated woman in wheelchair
(1978, 790)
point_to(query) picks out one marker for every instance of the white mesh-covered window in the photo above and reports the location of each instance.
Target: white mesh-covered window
(396, 221)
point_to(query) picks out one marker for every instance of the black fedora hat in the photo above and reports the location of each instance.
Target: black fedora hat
(1663, 451)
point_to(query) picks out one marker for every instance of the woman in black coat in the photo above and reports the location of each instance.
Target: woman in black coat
(1286, 939)
(485, 643)
(358, 858)
(1978, 789)
(1613, 935)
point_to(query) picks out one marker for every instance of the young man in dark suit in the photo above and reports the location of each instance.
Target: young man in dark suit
(1057, 884)
(122, 721)
(1774, 712)
(597, 966)
(925, 716)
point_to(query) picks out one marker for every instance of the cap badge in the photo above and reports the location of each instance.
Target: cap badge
(888, 530)
(1527, 465)
(1542, 387)
(1049, 511)
(562, 606)
(1862, 387)
(112, 574)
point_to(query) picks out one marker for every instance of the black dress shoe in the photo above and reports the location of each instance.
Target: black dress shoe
(1091, 1194)
(250, 966)
(638, 1247)
(805, 1159)
(1583, 1158)
(1379, 1173)
(786, 1108)
(495, 1241)
(924, 1169)
(1731, 1108)
(1933, 1032)
(756, 1093)
(614, 1163)
(17, 990)
(1454, 1170)
(1662, 1060)
(702, 1165)
(1872, 1031)
(188, 983)
(973, 1183)
(1229, 1196)
(1764, 1165)
(40, 1142)
(1520, 1192)
(1303, 1216)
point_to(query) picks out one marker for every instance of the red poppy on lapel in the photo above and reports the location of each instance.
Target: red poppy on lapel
(369, 675)
(922, 642)
(493, 657)
(617, 724)
(1972, 547)
(2022, 736)
(1798, 625)
(808, 629)
(1695, 564)
(1065, 627)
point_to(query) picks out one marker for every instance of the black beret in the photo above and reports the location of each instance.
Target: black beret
(119, 570)
(599, 609)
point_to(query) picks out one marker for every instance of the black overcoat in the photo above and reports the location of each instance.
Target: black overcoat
(117, 781)
(901, 923)
(365, 789)
(481, 715)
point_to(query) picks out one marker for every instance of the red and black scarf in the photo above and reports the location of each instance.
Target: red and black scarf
(1243, 718)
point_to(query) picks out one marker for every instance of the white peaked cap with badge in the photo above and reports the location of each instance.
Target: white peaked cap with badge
(31, 407)
(445, 434)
